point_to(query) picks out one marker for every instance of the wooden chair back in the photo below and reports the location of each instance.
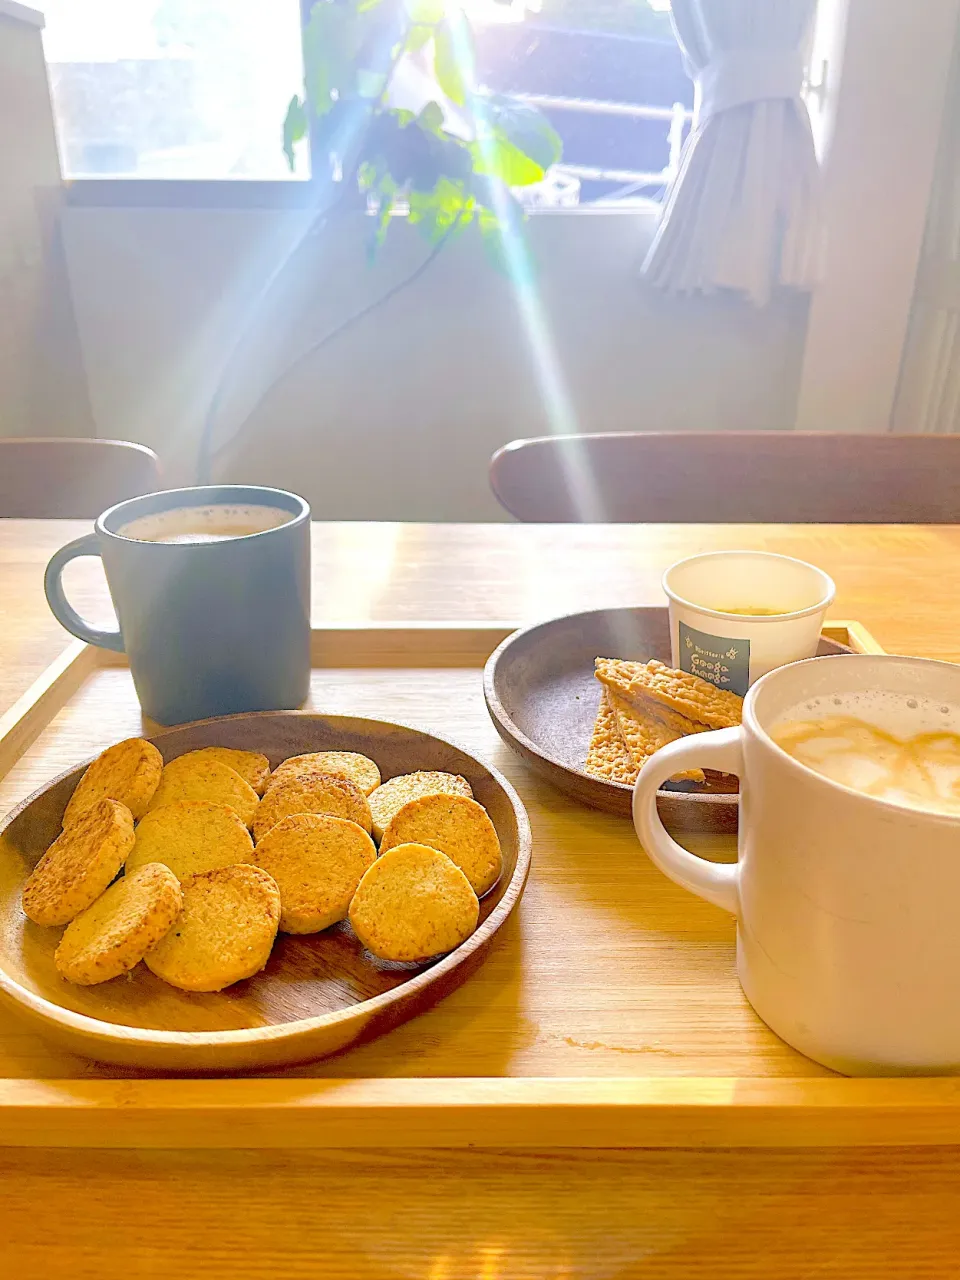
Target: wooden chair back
(732, 477)
(72, 479)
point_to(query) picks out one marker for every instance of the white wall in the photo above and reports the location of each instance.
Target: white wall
(886, 95)
(398, 418)
(42, 387)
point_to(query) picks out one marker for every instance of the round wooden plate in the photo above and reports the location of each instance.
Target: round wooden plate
(543, 697)
(318, 994)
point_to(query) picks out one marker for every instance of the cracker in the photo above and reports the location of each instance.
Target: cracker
(128, 772)
(343, 764)
(190, 836)
(393, 795)
(188, 778)
(643, 733)
(456, 826)
(225, 932)
(676, 690)
(317, 862)
(252, 766)
(317, 793)
(607, 755)
(413, 904)
(79, 864)
(113, 934)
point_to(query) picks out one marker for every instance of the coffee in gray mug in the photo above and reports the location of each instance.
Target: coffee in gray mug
(211, 587)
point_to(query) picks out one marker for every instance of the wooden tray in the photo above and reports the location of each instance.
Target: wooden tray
(318, 994)
(607, 1014)
(542, 694)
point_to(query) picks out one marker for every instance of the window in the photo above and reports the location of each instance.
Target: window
(187, 89)
(610, 78)
(198, 89)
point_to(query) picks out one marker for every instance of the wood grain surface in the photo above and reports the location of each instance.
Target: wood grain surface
(489, 1214)
(899, 580)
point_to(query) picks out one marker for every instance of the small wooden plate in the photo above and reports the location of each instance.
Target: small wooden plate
(318, 994)
(543, 697)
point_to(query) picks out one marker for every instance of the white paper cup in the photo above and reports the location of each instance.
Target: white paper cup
(730, 649)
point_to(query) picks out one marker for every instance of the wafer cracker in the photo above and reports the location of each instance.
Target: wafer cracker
(644, 733)
(607, 755)
(676, 690)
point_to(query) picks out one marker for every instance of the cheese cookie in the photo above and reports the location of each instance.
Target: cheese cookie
(190, 836)
(317, 793)
(413, 904)
(79, 864)
(317, 862)
(113, 934)
(343, 764)
(393, 795)
(188, 778)
(225, 932)
(128, 772)
(456, 826)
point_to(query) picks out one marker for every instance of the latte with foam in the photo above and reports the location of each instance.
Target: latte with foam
(901, 749)
(215, 523)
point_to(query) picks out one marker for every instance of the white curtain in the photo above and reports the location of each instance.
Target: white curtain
(743, 212)
(928, 397)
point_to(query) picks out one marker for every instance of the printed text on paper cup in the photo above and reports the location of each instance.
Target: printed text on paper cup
(724, 662)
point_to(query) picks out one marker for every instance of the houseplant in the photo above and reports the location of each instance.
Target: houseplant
(454, 160)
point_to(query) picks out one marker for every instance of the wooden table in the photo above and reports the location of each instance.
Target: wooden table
(442, 1214)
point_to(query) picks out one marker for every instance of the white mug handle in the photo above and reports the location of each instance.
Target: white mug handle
(722, 750)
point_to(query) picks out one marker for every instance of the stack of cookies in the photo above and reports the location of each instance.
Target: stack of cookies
(219, 854)
(645, 705)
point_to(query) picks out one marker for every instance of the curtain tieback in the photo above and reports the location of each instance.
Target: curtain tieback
(740, 76)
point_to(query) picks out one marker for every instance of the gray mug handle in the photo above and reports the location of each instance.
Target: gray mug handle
(62, 609)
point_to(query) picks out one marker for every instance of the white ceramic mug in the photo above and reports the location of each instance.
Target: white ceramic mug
(847, 906)
(731, 649)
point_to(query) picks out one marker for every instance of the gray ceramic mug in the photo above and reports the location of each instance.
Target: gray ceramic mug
(210, 628)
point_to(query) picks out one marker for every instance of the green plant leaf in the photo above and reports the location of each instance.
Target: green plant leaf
(525, 127)
(429, 12)
(294, 128)
(443, 211)
(455, 61)
(417, 36)
(382, 227)
(430, 118)
(497, 157)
